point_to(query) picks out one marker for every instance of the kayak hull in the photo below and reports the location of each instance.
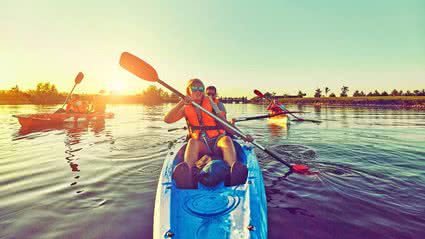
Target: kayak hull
(281, 120)
(211, 212)
(51, 119)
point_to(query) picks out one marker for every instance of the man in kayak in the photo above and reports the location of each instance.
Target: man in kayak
(211, 91)
(275, 107)
(206, 137)
(75, 105)
(99, 103)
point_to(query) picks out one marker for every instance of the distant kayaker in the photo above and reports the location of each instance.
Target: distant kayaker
(99, 103)
(75, 105)
(275, 107)
(206, 137)
(211, 91)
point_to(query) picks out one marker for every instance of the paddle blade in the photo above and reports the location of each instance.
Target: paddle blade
(79, 78)
(300, 168)
(258, 93)
(138, 67)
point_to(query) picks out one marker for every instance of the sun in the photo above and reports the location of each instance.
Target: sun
(117, 86)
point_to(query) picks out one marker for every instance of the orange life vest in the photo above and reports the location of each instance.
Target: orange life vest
(203, 122)
(76, 107)
(274, 107)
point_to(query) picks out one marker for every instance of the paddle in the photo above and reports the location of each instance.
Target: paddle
(174, 129)
(143, 70)
(77, 81)
(259, 94)
(239, 119)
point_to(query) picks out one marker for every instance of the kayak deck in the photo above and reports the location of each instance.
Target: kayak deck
(279, 120)
(50, 119)
(211, 212)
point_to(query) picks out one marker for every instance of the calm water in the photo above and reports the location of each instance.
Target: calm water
(98, 180)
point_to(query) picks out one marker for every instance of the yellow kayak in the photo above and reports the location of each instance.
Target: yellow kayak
(281, 120)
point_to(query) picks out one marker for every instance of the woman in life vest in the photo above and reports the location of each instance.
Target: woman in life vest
(206, 137)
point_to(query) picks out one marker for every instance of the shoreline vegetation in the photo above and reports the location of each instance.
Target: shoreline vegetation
(402, 102)
(46, 93)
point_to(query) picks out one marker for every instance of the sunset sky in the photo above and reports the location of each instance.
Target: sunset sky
(281, 46)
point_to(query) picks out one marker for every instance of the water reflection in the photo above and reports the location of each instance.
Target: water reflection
(370, 164)
(317, 109)
(73, 137)
(278, 130)
(77, 128)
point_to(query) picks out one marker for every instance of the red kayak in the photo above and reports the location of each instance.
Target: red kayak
(50, 119)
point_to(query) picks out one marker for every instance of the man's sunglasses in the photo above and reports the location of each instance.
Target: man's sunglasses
(211, 93)
(197, 88)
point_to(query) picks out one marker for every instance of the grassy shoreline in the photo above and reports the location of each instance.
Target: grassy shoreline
(413, 102)
(112, 99)
(409, 102)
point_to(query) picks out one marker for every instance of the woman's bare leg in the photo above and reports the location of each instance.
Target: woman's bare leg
(193, 149)
(238, 171)
(183, 171)
(228, 149)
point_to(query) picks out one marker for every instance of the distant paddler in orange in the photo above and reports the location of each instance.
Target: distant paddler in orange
(277, 114)
(261, 95)
(98, 104)
(76, 105)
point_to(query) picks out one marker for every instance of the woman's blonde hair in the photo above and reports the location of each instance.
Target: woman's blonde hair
(190, 83)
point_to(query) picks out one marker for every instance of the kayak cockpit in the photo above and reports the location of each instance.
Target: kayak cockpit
(225, 212)
(215, 171)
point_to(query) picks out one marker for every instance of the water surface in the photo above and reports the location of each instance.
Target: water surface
(98, 179)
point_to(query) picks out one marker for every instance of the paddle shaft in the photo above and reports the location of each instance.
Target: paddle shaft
(170, 130)
(258, 117)
(70, 93)
(271, 153)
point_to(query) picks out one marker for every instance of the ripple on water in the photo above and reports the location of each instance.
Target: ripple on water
(86, 181)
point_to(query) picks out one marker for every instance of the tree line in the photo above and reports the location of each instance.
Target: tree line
(344, 93)
(156, 95)
(357, 93)
(45, 92)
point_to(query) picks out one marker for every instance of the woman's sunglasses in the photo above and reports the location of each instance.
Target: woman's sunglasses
(197, 88)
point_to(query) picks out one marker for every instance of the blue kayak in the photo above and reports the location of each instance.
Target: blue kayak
(211, 212)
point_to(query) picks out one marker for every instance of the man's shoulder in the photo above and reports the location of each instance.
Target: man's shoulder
(221, 106)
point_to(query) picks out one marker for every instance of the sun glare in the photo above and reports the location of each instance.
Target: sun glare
(118, 86)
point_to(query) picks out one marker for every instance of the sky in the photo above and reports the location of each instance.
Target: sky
(238, 46)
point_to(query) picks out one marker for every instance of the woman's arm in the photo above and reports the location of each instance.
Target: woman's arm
(175, 114)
